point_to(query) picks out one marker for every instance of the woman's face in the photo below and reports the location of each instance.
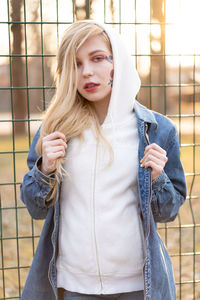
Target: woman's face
(95, 71)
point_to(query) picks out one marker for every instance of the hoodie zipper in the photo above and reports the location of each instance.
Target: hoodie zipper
(51, 262)
(54, 248)
(94, 222)
(148, 228)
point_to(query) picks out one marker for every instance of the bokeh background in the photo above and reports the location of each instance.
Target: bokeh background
(163, 37)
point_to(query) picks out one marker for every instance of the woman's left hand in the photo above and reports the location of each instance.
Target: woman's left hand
(155, 158)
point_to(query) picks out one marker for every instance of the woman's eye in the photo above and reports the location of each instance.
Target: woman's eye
(98, 58)
(78, 64)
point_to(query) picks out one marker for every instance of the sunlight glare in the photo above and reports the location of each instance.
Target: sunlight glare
(181, 36)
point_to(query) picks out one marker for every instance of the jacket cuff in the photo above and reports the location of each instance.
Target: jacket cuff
(39, 176)
(45, 183)
(159, 182)
(157, 185)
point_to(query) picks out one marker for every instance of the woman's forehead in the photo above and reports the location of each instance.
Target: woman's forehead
(92, 45)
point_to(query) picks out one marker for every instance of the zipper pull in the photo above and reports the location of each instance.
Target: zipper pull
(148, 142)
(146, 133)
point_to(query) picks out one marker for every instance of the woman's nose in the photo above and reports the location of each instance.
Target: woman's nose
(87, 70)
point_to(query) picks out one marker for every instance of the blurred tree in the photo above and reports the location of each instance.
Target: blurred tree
(17, 67)
(158, 49)
(82, 9)
(39, 67)
(112, 9)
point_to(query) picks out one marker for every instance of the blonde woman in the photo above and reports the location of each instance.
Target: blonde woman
(103, 170)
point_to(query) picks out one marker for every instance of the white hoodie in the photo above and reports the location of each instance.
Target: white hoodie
(101, 241)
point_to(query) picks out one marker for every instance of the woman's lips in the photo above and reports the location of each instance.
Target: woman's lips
(90, 87)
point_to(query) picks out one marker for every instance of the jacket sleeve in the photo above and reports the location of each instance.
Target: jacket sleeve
(169, 189)
(36, 188)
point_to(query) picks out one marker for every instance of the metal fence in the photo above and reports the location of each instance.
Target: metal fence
(163, 38)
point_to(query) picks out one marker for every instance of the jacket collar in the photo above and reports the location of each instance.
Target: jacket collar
(144, 114)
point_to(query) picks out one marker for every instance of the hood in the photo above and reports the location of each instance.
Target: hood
(126, 81)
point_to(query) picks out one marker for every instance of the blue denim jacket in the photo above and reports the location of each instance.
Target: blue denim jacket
(159, 201)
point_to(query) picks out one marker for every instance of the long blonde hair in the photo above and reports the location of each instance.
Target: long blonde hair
(68, 111)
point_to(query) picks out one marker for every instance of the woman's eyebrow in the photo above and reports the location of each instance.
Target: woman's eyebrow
(95, 51)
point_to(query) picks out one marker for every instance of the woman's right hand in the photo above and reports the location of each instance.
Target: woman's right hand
(53, 148)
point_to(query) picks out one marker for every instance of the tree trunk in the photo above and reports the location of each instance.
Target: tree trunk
(17, 67)
(82, 12)
(157, 59)
(112, 10)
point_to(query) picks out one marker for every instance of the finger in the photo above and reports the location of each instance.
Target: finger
(49, 164)
(54, 156)
(154, 165)
(55, 135)
(56, 149)
(156, 169)
(156, 147)
(154, 153)
(154, 162)
(161, 159)
(52, 143)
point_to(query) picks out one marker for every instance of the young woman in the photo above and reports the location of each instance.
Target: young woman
(103, 170)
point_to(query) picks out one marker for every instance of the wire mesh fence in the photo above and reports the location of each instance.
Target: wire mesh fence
(163, 39)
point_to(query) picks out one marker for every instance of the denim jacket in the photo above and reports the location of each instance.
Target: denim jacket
(160, 201)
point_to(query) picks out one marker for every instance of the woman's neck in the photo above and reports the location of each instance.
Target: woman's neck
(101, 108)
